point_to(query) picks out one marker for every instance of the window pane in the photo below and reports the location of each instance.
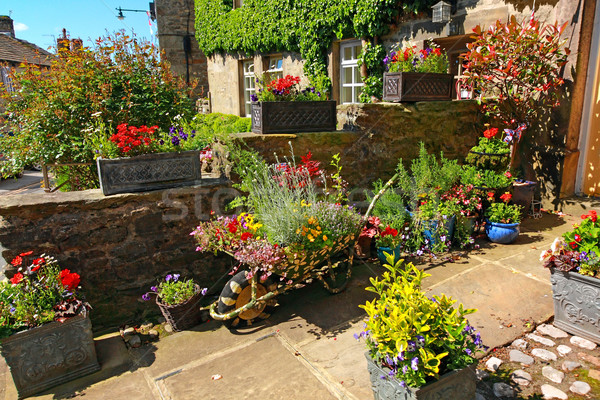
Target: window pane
(347, 95)
(347, 54)
(347, 77)
(357, 92)
(357, 77)
(357, 50)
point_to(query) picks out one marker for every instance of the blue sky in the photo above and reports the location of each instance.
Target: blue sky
(41, 21)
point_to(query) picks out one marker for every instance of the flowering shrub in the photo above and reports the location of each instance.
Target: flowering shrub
(464, 199)
(39, 292)
(418, 338)
(285, 89)
(133, 141)
(577, 250)
(173, 291)
(388, 238)
(408, 59)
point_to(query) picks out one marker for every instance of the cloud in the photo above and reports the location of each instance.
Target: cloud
(19, 27)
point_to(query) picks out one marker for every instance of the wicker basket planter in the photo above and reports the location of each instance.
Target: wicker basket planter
(185, 315)
(576, 303)
(459, 384)
(149, 172)
(50, 355)
(293, 116)
(416, 86)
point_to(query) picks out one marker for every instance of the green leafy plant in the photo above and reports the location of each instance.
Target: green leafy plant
(504, 213)
(173, 291)
(372, 57)
(487, 178)
(38, 293)
(416, 337)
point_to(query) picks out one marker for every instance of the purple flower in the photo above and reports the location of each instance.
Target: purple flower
(401, 356)
(386, 60)
(172, 130)
(421, 340)
(161, 142)
(414, 363)
(253, 97)
(403, 384)
(412, 346)
(168, 277)
(175, 140)
(146, 296)
(203, 291)
(319, 94)
(477, 340)
(154, 289)
(356, 336)
(468, 351)
(12, 310)
(176, 277)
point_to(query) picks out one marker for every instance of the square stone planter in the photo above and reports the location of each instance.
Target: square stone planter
(459, 384)
(416, 86)
(50, 355)
(293, 116)
(149, 172)
(576, 304)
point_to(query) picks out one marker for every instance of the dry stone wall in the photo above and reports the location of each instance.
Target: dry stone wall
(120, 245)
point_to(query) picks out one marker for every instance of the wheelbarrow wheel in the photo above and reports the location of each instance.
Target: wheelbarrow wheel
(237, 293)
(339, 270)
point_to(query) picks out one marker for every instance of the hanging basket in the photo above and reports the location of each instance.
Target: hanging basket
(185, 315)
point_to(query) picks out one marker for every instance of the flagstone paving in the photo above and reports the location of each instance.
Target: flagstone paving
(306, 350)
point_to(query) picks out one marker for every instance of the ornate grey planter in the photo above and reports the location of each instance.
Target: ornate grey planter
(149, 172)
(416, 86)
(459, 384)
(51, 354)
(293, 116)
(576, 303)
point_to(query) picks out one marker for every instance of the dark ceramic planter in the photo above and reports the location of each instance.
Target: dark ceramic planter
(382, 250)
(149, 172)
(293, 116)
(416, 86)
(459, 384)
(523, 192)
(576, 304)
(431, 229)
(502, 233)
(50, 355)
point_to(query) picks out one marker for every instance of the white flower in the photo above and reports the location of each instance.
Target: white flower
(557, 245)
(544, 254)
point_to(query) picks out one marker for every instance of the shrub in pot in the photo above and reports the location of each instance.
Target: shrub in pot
(574, 263)
(415, 343)
(40, 306)
(503, 221)
(179, 301)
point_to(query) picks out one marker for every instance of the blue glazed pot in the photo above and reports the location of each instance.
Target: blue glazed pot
(381, 250)
(432, 226)
(501, 233)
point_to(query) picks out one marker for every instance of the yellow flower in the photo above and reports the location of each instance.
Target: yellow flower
(324, 238)
(311, 220)
(297, 231)
(311, 238)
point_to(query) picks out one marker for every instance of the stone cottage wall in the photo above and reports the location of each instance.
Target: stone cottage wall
(120, 245)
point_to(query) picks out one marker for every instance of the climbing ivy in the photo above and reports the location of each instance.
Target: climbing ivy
(372, 56)
(305, 26)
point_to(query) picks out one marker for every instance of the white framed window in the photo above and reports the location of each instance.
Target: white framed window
(275, 67)
(7, 79)
(249, 82)
(350, 80)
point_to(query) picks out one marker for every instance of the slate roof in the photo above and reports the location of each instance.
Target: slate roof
(21, 51)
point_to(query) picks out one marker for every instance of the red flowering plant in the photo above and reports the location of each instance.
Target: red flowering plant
(465, 199)
(39, 292)
(577, 250)
(492, 151)
(133, 141)
(408, 59)
(285, 89)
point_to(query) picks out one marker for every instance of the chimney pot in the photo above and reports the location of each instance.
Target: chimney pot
(6, 26)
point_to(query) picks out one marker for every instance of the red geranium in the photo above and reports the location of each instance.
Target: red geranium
(389, 231)
(506, 197)
(70, 280)
(490, 133)
(17, 278)
(246, 236)
(27, 253)
(17, 261)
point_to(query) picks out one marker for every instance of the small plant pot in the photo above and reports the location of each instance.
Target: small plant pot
(502, 233)
(431, 229)
(523, 192)
(185, 315)
(381, 254)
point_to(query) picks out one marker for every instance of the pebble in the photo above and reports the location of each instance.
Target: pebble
(594, 374)
(153, 333)
(520, 344)
(552, 331)
(128, 331)
(502, 389)
(583, 343)
(135, 341)
(580, 388)
(569, 366)
(554, 375)
(563, 350)
(521, 377)
(542, 340)
(550, 392)
(544, 354)
(493, 364)
(481, 374)
(517, 356)
(590, 359)
(168, 328)
(479, 396)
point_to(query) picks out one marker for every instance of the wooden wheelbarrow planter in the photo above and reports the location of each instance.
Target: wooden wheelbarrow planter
(244, 300)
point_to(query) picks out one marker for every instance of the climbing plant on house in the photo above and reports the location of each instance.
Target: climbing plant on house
(305, 26)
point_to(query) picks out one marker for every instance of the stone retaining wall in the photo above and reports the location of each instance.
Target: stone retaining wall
(120, 245)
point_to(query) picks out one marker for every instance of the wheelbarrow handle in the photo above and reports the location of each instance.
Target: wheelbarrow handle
(377, 196)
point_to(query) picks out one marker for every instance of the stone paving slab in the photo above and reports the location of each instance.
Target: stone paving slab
(263, 370)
